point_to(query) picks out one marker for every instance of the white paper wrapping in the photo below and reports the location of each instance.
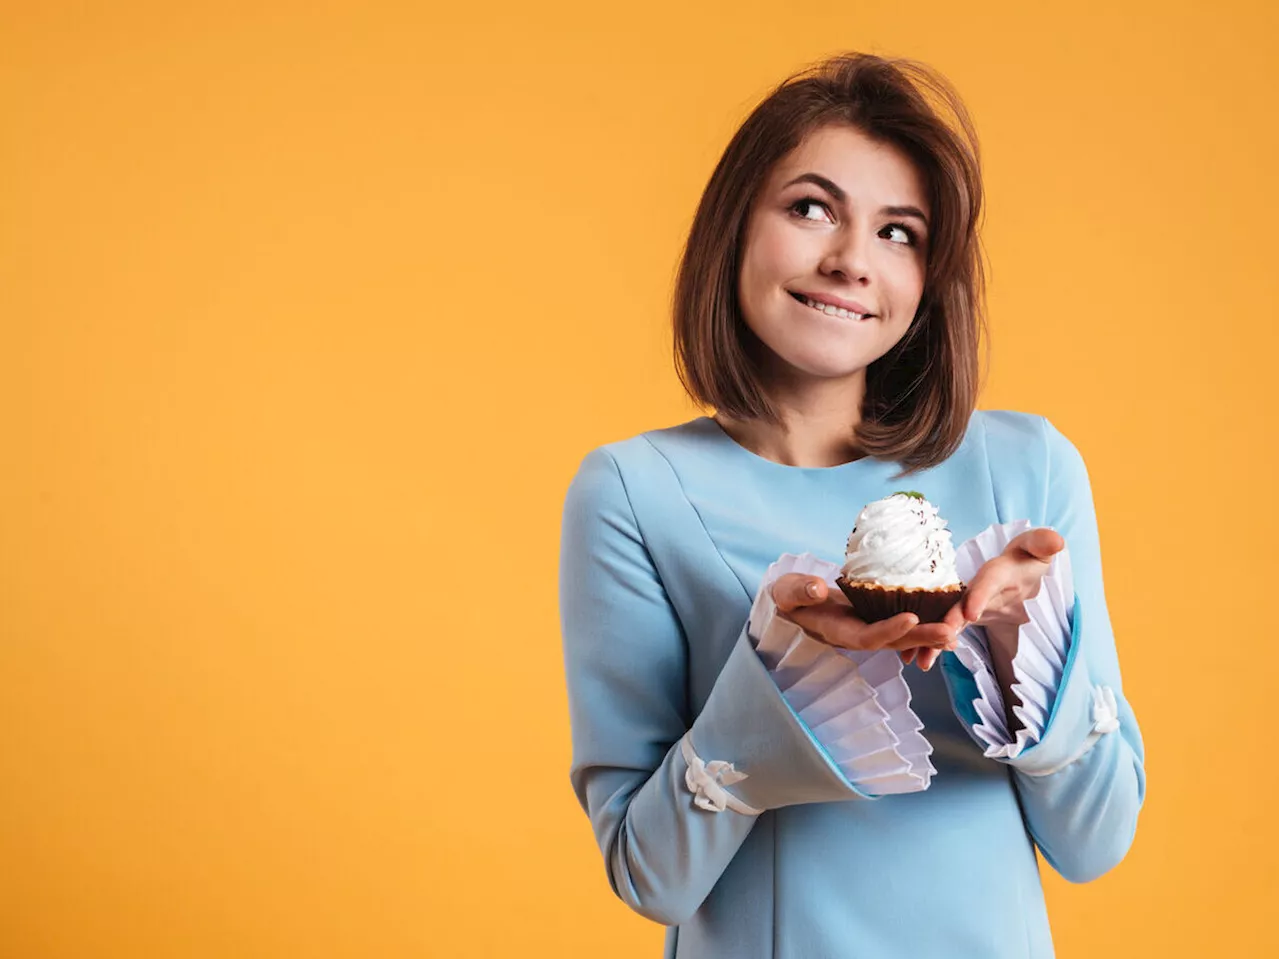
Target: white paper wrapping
(1041, 652)
(857, 704)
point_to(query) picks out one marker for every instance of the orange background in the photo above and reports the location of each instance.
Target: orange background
(311, 311)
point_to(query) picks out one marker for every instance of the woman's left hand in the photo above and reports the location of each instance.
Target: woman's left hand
(997, 592)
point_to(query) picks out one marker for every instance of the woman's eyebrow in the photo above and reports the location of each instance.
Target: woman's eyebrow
(841, 196)
(821, 181)
(909, 211)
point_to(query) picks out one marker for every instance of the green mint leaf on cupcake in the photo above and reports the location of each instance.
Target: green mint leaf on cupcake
(909, 492)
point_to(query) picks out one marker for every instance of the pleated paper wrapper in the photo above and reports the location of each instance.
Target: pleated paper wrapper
(856, 703)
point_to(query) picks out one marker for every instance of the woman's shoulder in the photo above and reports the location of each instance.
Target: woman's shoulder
(650, 447)
(1009, 426)
(616, 461)
(1016, 438)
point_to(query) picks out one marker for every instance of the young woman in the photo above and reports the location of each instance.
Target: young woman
(766, 774)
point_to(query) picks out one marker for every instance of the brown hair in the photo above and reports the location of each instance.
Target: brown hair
(921, 394)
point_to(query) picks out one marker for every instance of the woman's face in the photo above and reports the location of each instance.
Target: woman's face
(854, 234)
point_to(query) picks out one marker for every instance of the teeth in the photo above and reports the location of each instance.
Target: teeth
(834, 310)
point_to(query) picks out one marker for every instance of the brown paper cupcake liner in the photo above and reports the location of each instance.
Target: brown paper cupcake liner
(873, 602)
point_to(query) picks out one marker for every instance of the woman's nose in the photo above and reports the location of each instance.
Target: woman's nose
(849, 257)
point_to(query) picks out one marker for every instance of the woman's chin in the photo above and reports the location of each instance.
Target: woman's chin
(827, 367)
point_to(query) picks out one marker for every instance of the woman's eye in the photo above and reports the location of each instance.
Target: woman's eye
(908, 237)
(807, 202)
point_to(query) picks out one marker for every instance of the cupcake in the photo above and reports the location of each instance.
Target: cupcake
(899, 559)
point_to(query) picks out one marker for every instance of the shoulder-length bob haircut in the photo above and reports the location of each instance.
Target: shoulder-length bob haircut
(921, 394)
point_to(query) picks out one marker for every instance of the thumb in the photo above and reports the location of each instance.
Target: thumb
(792, 590)
(1043, 543)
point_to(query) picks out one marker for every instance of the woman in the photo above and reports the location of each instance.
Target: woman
(828, 308)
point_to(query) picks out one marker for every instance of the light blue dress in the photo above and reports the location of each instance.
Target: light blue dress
(667, 540)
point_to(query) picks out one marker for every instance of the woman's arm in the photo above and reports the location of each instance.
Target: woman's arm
(1082, 783)
(626, 670)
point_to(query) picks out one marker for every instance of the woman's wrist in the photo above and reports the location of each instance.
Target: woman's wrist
(1002, 643)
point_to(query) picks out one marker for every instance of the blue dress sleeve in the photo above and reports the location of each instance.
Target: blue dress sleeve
(671, 796)
(1083, 782)
(856, 702)
(1043, 638)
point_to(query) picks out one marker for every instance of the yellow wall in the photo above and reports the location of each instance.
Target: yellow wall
(310, 312)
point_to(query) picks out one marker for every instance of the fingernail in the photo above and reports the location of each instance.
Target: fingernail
(812, 589)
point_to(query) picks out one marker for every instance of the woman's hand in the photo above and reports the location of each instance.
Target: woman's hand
(825, 614)
(997, 592)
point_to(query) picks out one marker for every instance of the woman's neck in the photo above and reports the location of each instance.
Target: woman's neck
(813, 433)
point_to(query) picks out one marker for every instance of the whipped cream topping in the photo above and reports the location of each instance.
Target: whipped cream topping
(901, 541)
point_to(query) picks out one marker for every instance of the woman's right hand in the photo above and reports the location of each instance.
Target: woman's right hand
(825, 614)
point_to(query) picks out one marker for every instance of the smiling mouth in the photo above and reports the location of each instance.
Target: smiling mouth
(838, 312)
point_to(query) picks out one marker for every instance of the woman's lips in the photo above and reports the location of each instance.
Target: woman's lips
(852, 307)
